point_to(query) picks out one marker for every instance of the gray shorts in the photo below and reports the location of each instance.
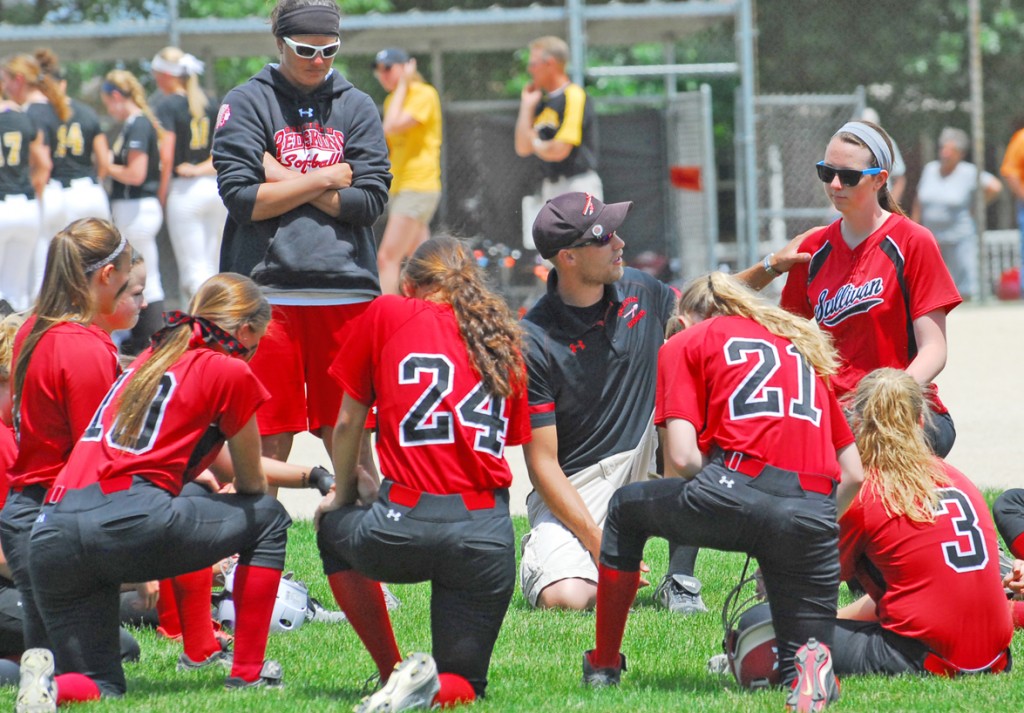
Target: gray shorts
(415, 204)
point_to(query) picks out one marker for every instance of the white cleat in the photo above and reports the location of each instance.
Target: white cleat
(37, 691)
(413, 684)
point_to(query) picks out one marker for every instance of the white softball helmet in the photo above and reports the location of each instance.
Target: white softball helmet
(289, 607)
(750, 646)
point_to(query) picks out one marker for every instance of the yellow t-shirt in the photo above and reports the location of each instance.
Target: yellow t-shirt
(1013, 161)
(416, 153)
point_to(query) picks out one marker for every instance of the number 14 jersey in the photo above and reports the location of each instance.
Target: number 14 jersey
(438, 429)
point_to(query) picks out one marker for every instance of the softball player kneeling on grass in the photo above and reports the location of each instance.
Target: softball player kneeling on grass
(741, 384)
(444, 368)
(160, 424)
(920, 539)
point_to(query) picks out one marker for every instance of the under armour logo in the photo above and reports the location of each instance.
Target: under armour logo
(578, 346)
(726, 481)
(393, 515)
(306, 112)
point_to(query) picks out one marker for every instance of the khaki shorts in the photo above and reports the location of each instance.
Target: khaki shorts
(414, 204)
(550, 551)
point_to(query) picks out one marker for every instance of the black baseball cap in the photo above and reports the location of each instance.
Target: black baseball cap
(571, 217)
(390, 56)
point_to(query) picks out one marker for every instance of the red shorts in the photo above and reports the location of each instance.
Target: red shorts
(292, 362)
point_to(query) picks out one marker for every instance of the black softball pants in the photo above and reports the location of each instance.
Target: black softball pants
(88, 544)
(468, 556)
(792, 534)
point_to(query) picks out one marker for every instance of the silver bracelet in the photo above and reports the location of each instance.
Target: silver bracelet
(767, 265)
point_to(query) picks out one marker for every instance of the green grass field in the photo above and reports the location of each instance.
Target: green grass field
(536, 664)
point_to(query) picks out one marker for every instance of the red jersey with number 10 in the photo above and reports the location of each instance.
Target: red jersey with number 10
(937, 582)
(204, 398)
(868, 298)
(745, 389)
(438, 430)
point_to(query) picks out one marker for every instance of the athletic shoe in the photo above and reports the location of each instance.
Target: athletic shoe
(37, 691)
(680, 594)
(271, 676)
(390, 599)
(315, 611)
(816, 685)
(1005, 567)
(601, 677)
(719, 664)
(224, 658)
(413, 684)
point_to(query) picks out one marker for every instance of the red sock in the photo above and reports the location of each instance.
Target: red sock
(616, 590)
(1017, 611)
(455, 690)
(75, 688)
(1017, 547)
(192, 592)
(363, 603)
(167, 611)
(255, 592)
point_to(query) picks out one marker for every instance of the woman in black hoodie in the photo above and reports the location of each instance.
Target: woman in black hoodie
(303, 169)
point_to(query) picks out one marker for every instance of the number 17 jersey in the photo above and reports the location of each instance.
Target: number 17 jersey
(438, 429)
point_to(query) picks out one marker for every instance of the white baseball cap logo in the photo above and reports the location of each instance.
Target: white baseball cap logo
(597, 230)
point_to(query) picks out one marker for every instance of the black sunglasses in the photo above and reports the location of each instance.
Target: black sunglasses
(849, 177)
(600, 241)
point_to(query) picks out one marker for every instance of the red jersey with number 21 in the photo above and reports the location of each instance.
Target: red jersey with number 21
(745, 389)
(205, 397)
(439, 430)
(867, 298)
(941, 583)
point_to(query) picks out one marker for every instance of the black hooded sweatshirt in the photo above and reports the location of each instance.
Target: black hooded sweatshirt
(303, 249)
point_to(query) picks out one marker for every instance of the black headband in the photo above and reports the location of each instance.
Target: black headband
(204, 332)
(308, 20)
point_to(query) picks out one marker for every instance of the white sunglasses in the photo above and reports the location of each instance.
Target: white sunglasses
(311, 51)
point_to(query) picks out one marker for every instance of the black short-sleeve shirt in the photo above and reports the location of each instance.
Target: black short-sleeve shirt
(595, 381)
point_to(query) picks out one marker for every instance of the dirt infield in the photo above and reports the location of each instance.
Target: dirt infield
(983, 386)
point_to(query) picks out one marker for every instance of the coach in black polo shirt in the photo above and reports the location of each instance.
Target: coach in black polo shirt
(592, 350)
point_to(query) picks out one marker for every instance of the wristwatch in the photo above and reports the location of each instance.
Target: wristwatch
(767, 265)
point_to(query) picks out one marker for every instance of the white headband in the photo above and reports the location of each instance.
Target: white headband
(874, 140)
(93, 267)
(186, 66)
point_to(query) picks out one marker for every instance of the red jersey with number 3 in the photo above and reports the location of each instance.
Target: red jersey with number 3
(69, 371)
(745, 389)
(439, 431)
(203, 399)
(935, 582)
(867, 298)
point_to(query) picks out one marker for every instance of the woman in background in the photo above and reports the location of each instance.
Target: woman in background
(945, 205)
(24, 172)
(412, 126)
(188, 182)
(135, 174)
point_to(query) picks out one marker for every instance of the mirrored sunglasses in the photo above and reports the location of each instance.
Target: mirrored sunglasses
(849, 177)
(310, 51)
(600, 242)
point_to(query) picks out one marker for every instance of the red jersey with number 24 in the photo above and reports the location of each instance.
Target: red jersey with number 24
(867, 298)
(940, 580)
(439, 430)
(204, 398)
(745, 389)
